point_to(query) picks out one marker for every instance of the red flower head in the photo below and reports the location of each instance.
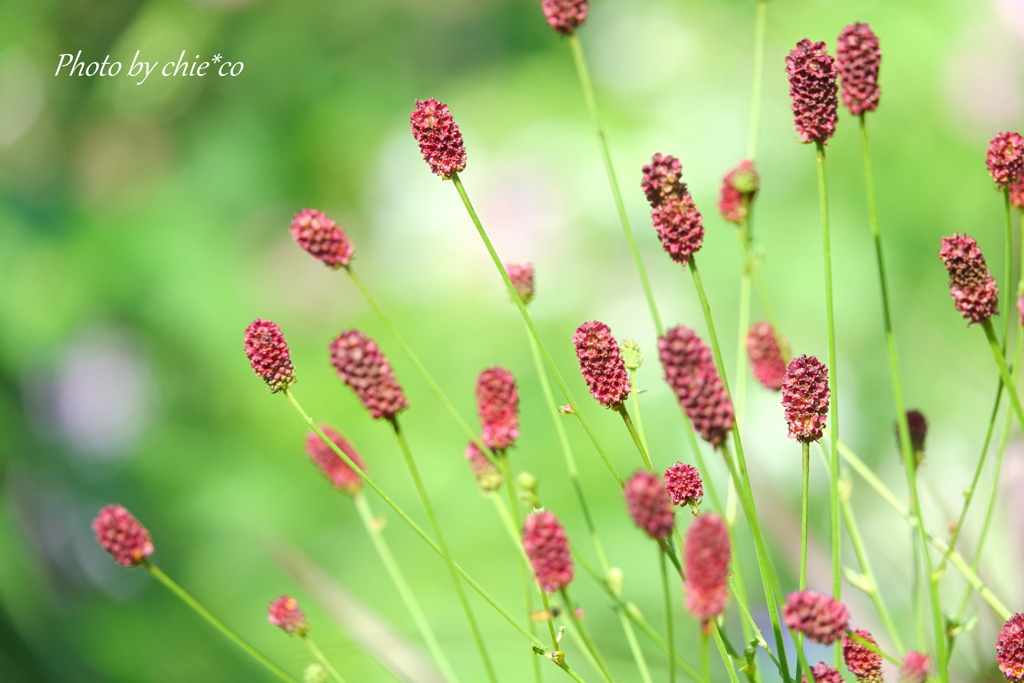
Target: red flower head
(268, 354)
(690, 372)
(488, 477)
(971, 285)
(765, 355)
(548, 549)
(915, 668)
(285, 613)
(322, 238)
(1005, 159)
(707, 566)
(122, 536)
(1016, 190)
(601, 363)
(439, 137)
(1010, 648)
(862, 662)
(805, 396)
(649, 504)
(362, 366)
(497, 404)
(565, 16)
(816, 615)
(663, 179)
(918, 427)
(521, 275)
(331, 464)
(683, 484)
(823, 673)
(738, 188)
(812, 88)
(858, 57)
(680, 227)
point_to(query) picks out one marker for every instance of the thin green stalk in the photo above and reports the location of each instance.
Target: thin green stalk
(725, 655)
(805, 491)
(591, 647)
(533, 330)
(634, 648)
(634, 397)
(387, 558)
(744, 321)
(217, 623)
(429, 508)
(915, 601)
(551, 623)
(1008, 265)
(755, 106)
(323, 660)
(1003, 371)
(705, 658)
(667, 594)
(620, 408)
(588, 95)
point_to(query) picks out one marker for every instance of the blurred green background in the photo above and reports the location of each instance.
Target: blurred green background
(143, 227)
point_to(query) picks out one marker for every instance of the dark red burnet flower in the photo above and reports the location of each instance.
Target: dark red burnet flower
(1005, 159)
(565, 16)
(1010, 648)
(690, 372)
(680, 227)
(601, 363)
(547, 548)
(805, 396)
(322, 238)
(765, 353)
(738, 188)
(915, 667)
(684, 484)
(439, 138)
(267, 351)
(818, 616)
(823, 673)
(497, 404)
(488, 476)
(662, 179)
(859, 57)
(333, 466)
(121, 535)
(917, 425)
(971, 285)
(361, 365)
(862, 662)
(286, 614)
(812, 89)
(649, 504)
(707, 554)
(521, 275)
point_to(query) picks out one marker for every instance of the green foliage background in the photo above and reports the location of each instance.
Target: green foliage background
(143, 227)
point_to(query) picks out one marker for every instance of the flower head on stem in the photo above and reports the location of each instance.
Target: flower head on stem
(738, 188)
(690, 372)
(823, 673)
(361, 365)
(267, 351)
(684, 484)
(805, 396)
(521, 275)
(859, 57)
(680, 227)
(820, 617)
(286, 614)
(322, 238)
(915, 668)
(439, 137)
(547, 547)
(327, 461)
(765, 353)
(707, 555)
(601, 363)
(812, 89)
(971, 285)
(1010, 648)
(565, 16)
(488, 476)
(121, 535)
(862, 661)
(1005, 159)
(649, 504)
(917, 425)
(497, 404)
(662, 179)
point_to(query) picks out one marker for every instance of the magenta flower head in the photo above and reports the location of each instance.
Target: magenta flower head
(805, 396)
(684, 484)
(918, 427)
(285, 613)
(915, 668)
(765, 355)
(601, 363)
(267, 352)
(1005, 159)
(816, 615)
(362, 366)
(662, 179)
(823, 673)
(497, 404)
(690, 372)
(707, 555)
(122, 536)
(331, 464)
(680, 227)
(548, 549)
(812, 89)
(862, 662)
(738, 188)
(439, 137)
(488, 477)
(322, 238)
(565, 16)
(649, 504)
(1010, 648)
(858, 57)
(521, 275)
(971, 285)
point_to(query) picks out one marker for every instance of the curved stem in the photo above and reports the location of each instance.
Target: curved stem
(217, 623)
(323, 660)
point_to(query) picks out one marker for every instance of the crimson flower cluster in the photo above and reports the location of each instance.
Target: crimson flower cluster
(565, 16)
(337, 471)
(738, 188)
(439, 138)
(649, 504)
(812, 89)
(1005, 159)
(267, 351)
(859, 57)
(322, 238)
(818, 616)
(862, 662)
(488, 476)
(286, 614)
(121, 535)
(547, 548)
(601, 363)
(765, 355)
(679, 225)
(707, 556)
(521, 275)
(684, 484)
(690, 372)
(361, 365)
(497, 404)
(971, 285)
(805, 396)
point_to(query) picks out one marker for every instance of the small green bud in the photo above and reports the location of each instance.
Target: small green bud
(615, 580)
(315, 673)
(632, 356)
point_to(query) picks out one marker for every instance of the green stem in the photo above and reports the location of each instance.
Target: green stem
(667, 594)
(591, 647)
(744, 321)
(634, 647)
(387, 558)
(705, 657)
(1003, 371)
(725, 655)
(588, 95)
(202, 611)
(322, 659)
(620, 408)
(429, 508)
(805, 459)
(755, 106)
(1007, 315)
(634, 397)
(551, 623)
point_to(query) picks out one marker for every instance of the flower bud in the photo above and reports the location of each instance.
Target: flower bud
(812, 89)
(1005, 159)
(601, 363)
(361, 365)
(765, 355)
(497, 404)
(915, 668)
(488, 477)
(547, 548)
(1010, 648)
(322, 238)
(816, 615)
(649, 504)
(439, 138)
(267, 351)
(285, 613)
(859, 57)
(918, 427)
(823, 673)
(121, 535)
(684, 484)
(632, 355)
(331, 464)
(521, 275)
(805, 396)
(707, 556)
(565, 16)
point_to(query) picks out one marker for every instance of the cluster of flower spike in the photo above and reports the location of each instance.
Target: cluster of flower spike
(812, 89)
(818, 616)
(601, 363)
(805, 396)
(1010, 648)
(286, 614)
(331, 464)
(497, 404)
(649, 504)
(521, 275)
(439, 138)
(267, 351)
(738, 188)
(765, 353)
(863, 662)
(361, 365)
(859, 57)
(547, 548)
(488, 476)
(322, 238)
(565, 16)
(684, 484)
(1005, 159)
(707, 556)
(675, 217)
(690, 371)
(971, 285)
(121, 535)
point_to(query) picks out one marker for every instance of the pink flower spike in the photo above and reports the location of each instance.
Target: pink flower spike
(805, 396)
(862, 662)
(1010, 648)
(322, 238)
(521, 275)
(267, 351)
(680, 227)
(121, 535)
(738, 189)
(812, 89)
(971, 285)
(765, 355)
(331, 464)
(859, 57)
(662, 179)
(707, 554)
(649, 504)
(823, 673)
(286, 614)
(684, 484)
(601, 363)
(565, 16)
(547, 547)
(818, 616)
(690, 372)
(361, 365)
(488, 477)
(497, 404)
(439, 138)
(915, 668)
(1005, 159)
